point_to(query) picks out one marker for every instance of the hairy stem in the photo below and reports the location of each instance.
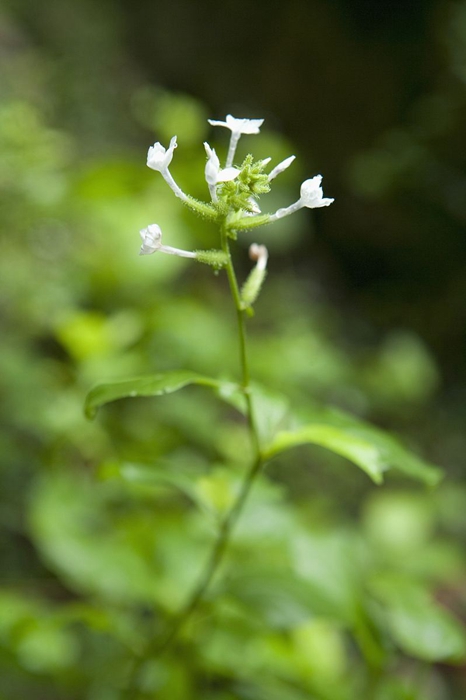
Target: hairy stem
(240, 313)
(156, 647)
(214, 560)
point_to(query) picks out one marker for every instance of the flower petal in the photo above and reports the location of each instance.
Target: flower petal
(239, 126)
(278, 169)
(158, 157)
(212, 167)
(151, 239)
(312, 194)
(214, 122)
(227, 174)
(244, 126)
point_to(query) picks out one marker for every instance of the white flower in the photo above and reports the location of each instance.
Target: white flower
(278, 169)
(159, 158)
(312, 195)
(239, 126)
(151, 239)
(213, 173)
(152, 242)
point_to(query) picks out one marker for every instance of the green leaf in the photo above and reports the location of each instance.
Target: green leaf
(80, 538)
(152, 385)
(370, 448)
(332, 565)
(44, 647)
(427, 631)
(279, 599)
(163, 474)
(419, 625)
(355, 449)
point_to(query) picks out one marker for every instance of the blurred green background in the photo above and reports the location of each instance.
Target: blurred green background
(334, 589)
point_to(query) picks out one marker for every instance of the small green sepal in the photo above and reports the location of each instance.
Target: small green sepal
(206, 211)
(215, 258)
(247, 223)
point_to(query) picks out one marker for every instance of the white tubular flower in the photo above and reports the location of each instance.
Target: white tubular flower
(159, 158)
(151, 239)
(259, 254)
(152, 242)
(213, 173)
(278, 169)
(237, 127)
(311, 197)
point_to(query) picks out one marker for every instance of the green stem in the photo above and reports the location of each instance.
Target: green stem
(215, 558)
(157, 647)
(240, 313)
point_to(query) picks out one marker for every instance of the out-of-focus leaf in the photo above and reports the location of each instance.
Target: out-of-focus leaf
(159, 475)
(171, 113)
(428, 632)
(406, 689)
(89, 334)
(166, 679)
(403, 371)
(279, 599)
(262, 665)
(272, 413)
(37, 634)
(152, 385)
(320, 652)
(330, 563)
(45, 647)
(13, 608)
(419, 625)
(369, 448)
(217, 491)
(92, 551)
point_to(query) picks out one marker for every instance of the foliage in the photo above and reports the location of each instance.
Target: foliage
(331, 588)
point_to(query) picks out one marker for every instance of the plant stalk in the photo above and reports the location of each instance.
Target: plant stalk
(157, 647)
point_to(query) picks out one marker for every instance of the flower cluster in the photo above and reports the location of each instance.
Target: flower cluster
(233, 192)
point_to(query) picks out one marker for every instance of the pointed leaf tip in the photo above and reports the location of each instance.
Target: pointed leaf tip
(370, 448)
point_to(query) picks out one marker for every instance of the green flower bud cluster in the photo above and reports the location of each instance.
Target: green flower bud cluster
(242, 192)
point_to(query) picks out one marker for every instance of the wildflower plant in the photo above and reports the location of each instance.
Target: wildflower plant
(235, 206)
